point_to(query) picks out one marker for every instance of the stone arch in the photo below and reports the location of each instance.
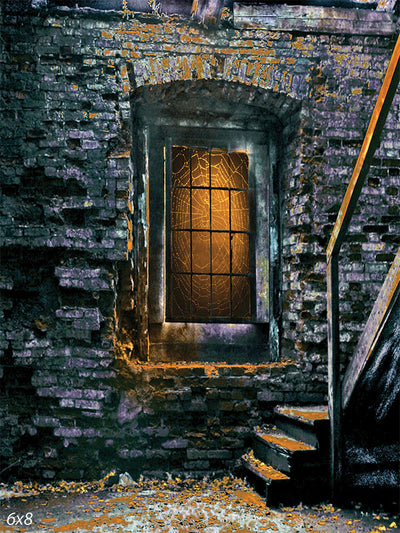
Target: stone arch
(167, 95)
(258, 71)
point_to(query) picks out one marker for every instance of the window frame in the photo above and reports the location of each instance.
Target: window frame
(159, 141)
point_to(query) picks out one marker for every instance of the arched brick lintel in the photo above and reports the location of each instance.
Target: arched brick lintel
(191, 93)
(259, 72)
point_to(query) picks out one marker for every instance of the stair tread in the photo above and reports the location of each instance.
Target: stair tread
(306, 414)
(281, 440)
(266, 472)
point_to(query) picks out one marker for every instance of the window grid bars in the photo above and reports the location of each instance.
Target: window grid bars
(211, 274)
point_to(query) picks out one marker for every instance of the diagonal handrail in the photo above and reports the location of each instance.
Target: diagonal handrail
(371, 142)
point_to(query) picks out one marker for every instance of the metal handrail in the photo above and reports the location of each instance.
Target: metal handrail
(371, 142)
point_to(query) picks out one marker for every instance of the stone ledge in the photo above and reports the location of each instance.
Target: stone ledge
(209, 370)
(313, 19)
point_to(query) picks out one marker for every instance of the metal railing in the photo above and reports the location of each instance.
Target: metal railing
(370, 143)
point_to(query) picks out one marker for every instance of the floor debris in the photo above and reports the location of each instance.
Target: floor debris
(225, 505)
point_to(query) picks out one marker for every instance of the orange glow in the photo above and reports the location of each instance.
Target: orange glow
(210, 234)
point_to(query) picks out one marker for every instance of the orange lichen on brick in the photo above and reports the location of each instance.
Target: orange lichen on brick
(186, 69)
(197, 40)
(299, 44)
(260, 52)
(286, 442)
(133, 31)
(226, 51)
(185, 38)
(210, 369)
(129, 236)
(121, 155)
(199, 67)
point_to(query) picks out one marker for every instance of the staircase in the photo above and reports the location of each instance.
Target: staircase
(366, 366)
(289, 459)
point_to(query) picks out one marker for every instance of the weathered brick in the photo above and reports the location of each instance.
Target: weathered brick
(175, 444)
(74, 211)
(67, 432)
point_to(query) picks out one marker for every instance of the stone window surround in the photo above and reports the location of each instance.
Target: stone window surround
(154, 114)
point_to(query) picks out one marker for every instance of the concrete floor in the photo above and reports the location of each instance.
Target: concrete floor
(223, 506)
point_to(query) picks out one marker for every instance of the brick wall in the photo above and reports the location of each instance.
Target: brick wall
(72, 404)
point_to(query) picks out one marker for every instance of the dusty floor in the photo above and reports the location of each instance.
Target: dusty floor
(223, 506)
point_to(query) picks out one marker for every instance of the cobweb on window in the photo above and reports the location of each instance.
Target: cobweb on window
(210, 234)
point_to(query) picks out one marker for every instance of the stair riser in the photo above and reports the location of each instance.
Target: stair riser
(262, 486)
(311, 480)
(297, 432)
(306, 489)
(275, 492)
(294, 495)
(300, 461)
(271, 456)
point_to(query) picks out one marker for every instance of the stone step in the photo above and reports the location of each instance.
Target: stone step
(309, 424)
(279, 488)
(268, 481)
(276, 448)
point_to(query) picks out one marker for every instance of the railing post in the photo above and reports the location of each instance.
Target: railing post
(334, 388)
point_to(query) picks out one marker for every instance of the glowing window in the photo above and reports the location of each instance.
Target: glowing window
(209, 266)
